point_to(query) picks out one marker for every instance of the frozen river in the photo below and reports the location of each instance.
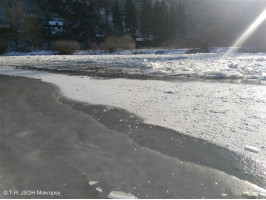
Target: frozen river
(52, 147)
(221, 100)
(227, 108)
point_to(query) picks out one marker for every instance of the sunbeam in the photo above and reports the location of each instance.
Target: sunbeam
(248, 32)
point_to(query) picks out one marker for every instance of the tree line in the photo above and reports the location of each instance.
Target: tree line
(151, 20)
(159, 20)
(203, 24)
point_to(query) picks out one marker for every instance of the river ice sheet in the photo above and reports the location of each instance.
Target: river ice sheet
(230, 115)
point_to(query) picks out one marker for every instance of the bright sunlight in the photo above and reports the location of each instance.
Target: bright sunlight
(259, 20)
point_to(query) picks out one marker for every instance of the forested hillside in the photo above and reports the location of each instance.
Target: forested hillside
(168, 23)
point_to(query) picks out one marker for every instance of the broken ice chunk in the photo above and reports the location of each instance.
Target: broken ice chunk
(224, 195)
(93, 182)
(251, 149)
(120, 195)
(250, 195)
(99, 189)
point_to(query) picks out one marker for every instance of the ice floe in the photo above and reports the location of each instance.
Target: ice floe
(120, 195)
(93, 182)
(252, 149)
(99, 189)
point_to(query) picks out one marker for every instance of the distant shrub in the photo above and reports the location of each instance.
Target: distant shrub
(65, 47)
(113, 43)
(3, 46)
(127, 42)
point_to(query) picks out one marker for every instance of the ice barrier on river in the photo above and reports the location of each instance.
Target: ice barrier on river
(205, 66)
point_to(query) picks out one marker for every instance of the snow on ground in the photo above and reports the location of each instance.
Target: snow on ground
(231, 115)
(169, 62)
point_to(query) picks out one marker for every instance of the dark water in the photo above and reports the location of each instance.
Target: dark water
(48, 143)
(174, 144)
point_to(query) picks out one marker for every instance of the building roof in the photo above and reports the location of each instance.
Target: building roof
(55, 23)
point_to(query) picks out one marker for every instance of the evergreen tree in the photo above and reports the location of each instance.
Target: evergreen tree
(93, 15)
(105, 4)
(173, 20)
(131, 19)
(79, 9)
(85, 13)
(55, 5)
(77, 12)
(117, 18)
(146, 19)
(182, 20)
(14, 12)
(160, 22)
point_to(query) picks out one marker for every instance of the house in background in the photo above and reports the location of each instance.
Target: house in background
(55, 27)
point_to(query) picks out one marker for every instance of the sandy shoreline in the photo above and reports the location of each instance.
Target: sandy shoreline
(52, 145)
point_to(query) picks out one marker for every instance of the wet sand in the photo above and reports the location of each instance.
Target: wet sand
(48, 143)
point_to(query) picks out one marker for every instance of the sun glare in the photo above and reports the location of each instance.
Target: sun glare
(259, 20)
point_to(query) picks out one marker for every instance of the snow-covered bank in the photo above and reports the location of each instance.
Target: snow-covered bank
(102, 52)
(123, 52)
(210, 66)
(231, 115)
